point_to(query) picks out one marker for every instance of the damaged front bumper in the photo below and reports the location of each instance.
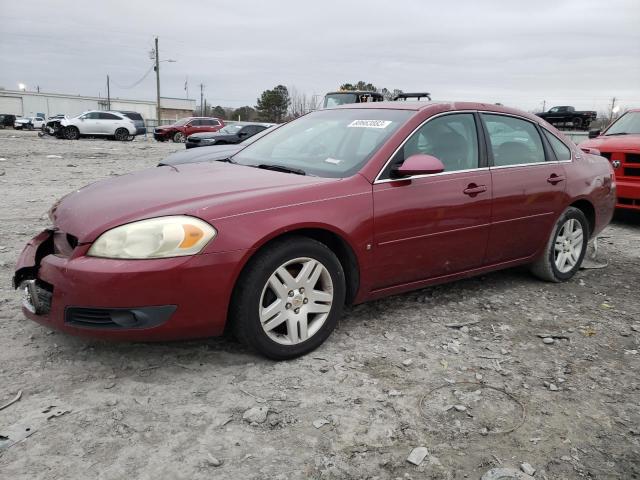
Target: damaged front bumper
(139, 300)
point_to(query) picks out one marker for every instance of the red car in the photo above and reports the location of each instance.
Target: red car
(184, 127)
(339, 206)
(620, 144)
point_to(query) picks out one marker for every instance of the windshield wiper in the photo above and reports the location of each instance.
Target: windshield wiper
(226, 160)
(612, 134)
(280, 168)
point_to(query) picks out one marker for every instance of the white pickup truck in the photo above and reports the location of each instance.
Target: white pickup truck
(28, 123)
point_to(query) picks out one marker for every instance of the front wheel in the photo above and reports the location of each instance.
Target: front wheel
(71, 133)
(577, 123)
(565, 248)
(121, 134)
(289, 299)
(178, 137)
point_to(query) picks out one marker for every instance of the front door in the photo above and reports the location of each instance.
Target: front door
(432, 226)
(528, 188)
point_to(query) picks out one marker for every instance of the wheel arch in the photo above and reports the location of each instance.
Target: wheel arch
(335, 241)
(589, 211)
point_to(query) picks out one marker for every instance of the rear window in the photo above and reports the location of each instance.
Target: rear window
(133, 115)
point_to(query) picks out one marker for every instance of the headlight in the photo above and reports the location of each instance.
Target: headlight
(160, 237)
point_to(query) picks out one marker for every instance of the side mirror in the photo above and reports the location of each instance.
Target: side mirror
(594, 133)
(243, 134)
(419, 164)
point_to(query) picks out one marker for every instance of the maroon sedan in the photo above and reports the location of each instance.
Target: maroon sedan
(337, 207)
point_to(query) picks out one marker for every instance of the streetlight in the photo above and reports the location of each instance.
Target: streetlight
(22, 86)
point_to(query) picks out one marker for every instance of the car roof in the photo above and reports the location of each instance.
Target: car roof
(439, 106)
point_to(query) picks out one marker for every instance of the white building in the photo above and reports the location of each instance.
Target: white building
(30, 104)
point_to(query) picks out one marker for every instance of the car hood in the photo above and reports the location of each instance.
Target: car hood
(22, 120)
(164, 127)
(201, 154)
(204, 190)
(614, 143)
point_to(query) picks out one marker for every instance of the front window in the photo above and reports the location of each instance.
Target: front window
(627, 124)
(327, 143)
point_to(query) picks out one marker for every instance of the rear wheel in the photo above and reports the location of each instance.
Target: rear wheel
(178, 137)
(71, 133)
(121, 134)
(565, 248)
(289, 299)
(577, 122)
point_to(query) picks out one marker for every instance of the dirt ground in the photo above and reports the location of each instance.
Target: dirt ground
(391, 378)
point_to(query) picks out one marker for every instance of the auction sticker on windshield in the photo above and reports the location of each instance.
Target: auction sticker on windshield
(370, 123)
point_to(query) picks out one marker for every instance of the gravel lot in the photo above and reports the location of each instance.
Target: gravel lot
(391, 378)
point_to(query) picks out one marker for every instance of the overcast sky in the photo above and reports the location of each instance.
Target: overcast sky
(576, 52)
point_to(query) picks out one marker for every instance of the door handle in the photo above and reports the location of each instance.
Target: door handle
(472, 189)
(553, 179)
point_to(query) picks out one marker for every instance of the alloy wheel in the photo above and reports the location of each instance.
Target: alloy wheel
(568, 245)
(296, 301)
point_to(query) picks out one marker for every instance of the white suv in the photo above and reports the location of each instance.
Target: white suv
(111, 124)
(28, 123)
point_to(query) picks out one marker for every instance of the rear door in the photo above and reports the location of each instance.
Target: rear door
(431, 226)
(528, 187)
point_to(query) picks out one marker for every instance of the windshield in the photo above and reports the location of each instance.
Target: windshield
(326, 143)
(336, 99)
(182, 121)
(629, 123)
(231, 129)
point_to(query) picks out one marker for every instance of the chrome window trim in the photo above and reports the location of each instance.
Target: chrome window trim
(429, 175)
(530, 164)
(387, 180)
(384, 167)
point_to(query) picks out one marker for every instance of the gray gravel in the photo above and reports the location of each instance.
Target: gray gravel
(354, 408)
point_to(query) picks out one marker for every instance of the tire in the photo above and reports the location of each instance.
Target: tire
(577, 123)
(121, 134)
(178, 137)
(551, 267)
(290, 316)
(71, 133)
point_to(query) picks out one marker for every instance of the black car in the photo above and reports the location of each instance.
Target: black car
(230, 134)
(137, 119)
(7, 120)
(212, 153)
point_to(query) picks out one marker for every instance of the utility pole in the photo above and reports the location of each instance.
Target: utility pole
(108, 95)
(201, 100)
(613, 104)
(544, 105)
(157, 82)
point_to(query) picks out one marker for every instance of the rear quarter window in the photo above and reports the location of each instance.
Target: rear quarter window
(560, 149)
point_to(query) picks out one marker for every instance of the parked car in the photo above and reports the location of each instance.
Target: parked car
(7, 120)
(337, 207)
(229, 134)
(138, 121)
(211, 153)
(569, 116)
(620, 144)
(98, 123)
(28, 123)
(180, 130)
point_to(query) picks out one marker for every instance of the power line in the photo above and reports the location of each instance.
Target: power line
(135, 84)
